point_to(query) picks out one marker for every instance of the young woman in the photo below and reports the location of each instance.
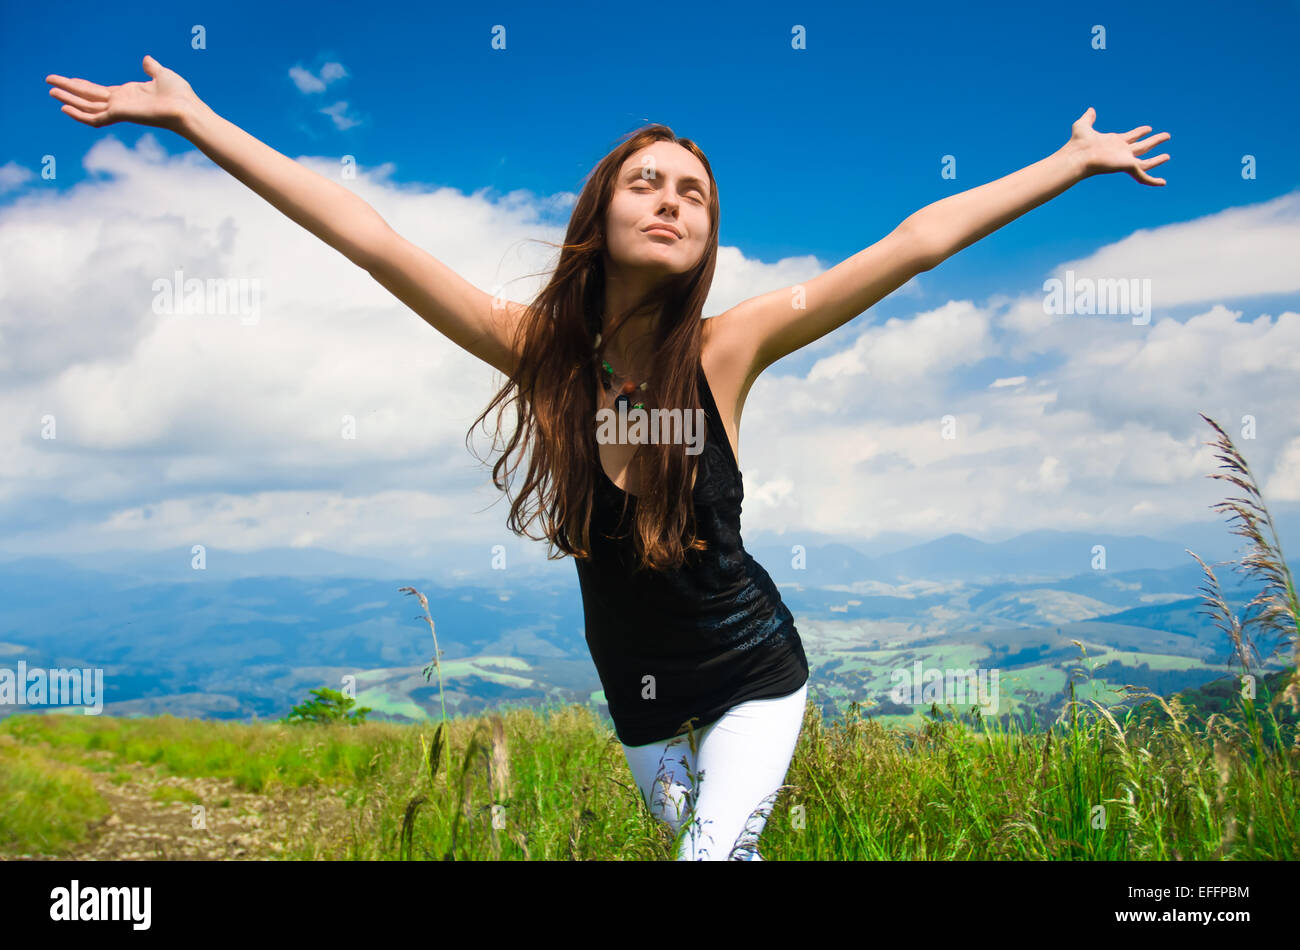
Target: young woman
(703, 669)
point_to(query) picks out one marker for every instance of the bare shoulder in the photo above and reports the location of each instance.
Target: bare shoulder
(727, 364)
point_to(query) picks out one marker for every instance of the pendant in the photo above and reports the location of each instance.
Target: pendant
(623, 399)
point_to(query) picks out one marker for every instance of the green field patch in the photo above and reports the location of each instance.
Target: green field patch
(385, 703)
(1100, 655)
(483, 668)
(402, 679)
(510, 662)
(1042, 679)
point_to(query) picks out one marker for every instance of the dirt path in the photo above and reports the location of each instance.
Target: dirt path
(232, 824)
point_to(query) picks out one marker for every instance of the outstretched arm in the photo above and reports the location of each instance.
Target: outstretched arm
(339, 217)
(955, 222)
(759, 331)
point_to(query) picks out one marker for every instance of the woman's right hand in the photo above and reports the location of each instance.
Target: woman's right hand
(161, 102)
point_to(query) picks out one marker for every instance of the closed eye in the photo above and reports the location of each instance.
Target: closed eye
(698, 201)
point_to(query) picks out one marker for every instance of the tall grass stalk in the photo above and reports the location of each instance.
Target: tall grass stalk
(488, 743)
(1277, 603)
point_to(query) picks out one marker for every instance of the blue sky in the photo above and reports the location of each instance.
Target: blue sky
(818, 152)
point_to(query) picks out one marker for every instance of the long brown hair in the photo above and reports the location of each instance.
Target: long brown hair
(554, 383)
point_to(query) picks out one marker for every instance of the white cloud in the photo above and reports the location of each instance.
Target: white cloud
(307, 82)
(1050, 478)
(175, 430)
(1104, 412)
(13, 175)
(304, 80)
(332, 71)
(1234, 254)
(1283, 482)
(339, 113)
(929, 343)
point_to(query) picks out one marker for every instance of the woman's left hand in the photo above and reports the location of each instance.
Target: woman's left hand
(1104, 152)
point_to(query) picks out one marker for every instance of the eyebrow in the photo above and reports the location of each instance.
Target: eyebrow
(635, 172)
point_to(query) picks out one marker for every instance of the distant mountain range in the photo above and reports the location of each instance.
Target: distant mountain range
(230, 643)
(887, 557)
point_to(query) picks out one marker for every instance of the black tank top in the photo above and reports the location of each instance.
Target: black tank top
(712, 633)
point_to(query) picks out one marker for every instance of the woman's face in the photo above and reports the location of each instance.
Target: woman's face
(661, 186)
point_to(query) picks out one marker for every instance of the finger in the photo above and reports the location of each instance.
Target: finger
(93, 120)
(1153, 162)
(87, 90)
(1132, 135)
(1146, 179)
(1150, 143)
(82, 105)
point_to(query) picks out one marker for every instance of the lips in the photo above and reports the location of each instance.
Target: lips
(662, 229)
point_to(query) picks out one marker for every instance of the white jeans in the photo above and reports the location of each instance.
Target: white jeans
(733, 779)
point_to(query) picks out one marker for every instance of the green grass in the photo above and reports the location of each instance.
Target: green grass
(45, 804)
(256, 757)
(1144, 785)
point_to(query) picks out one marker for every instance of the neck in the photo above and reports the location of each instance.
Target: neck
(631, 349)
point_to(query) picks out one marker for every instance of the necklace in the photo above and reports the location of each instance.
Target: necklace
(627, 388)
